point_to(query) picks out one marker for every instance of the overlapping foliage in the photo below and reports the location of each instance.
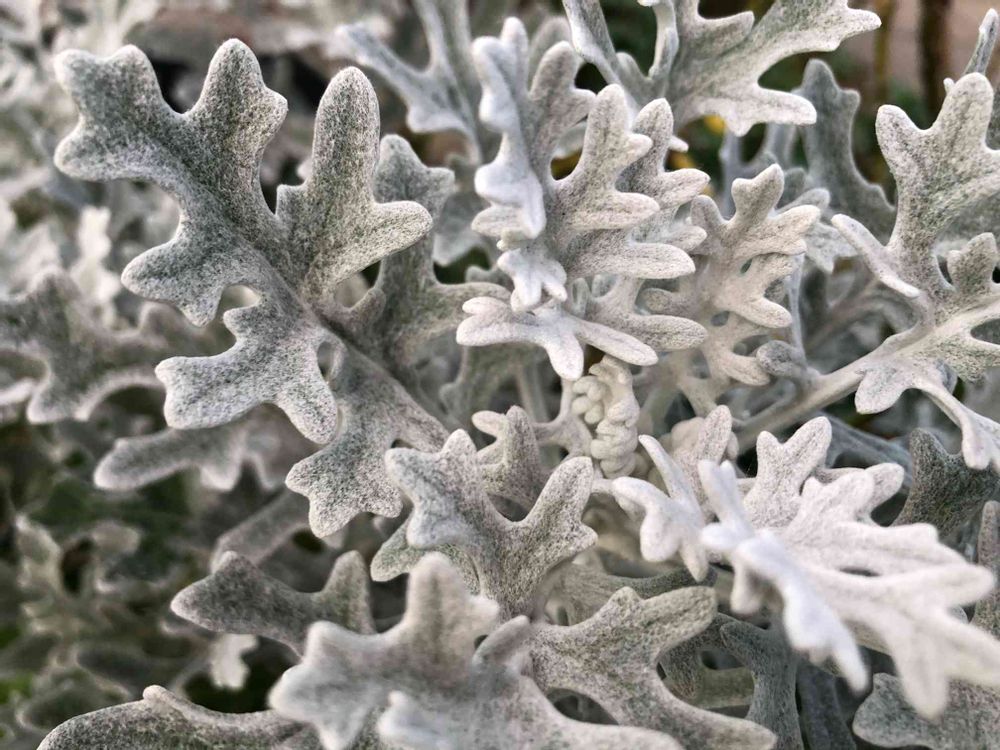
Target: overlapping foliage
(672, 470)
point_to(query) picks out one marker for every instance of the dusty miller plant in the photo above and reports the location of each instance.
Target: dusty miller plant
(668, 466)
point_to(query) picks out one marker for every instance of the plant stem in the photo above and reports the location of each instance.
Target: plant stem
(531, 394)
(934, 51)
(828, 389)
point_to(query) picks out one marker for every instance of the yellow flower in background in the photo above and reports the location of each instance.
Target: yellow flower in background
(715, 124)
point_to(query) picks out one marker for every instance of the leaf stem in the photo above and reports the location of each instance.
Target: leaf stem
(828, 389)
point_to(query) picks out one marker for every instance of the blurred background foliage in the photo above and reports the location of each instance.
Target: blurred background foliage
(920, 43)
